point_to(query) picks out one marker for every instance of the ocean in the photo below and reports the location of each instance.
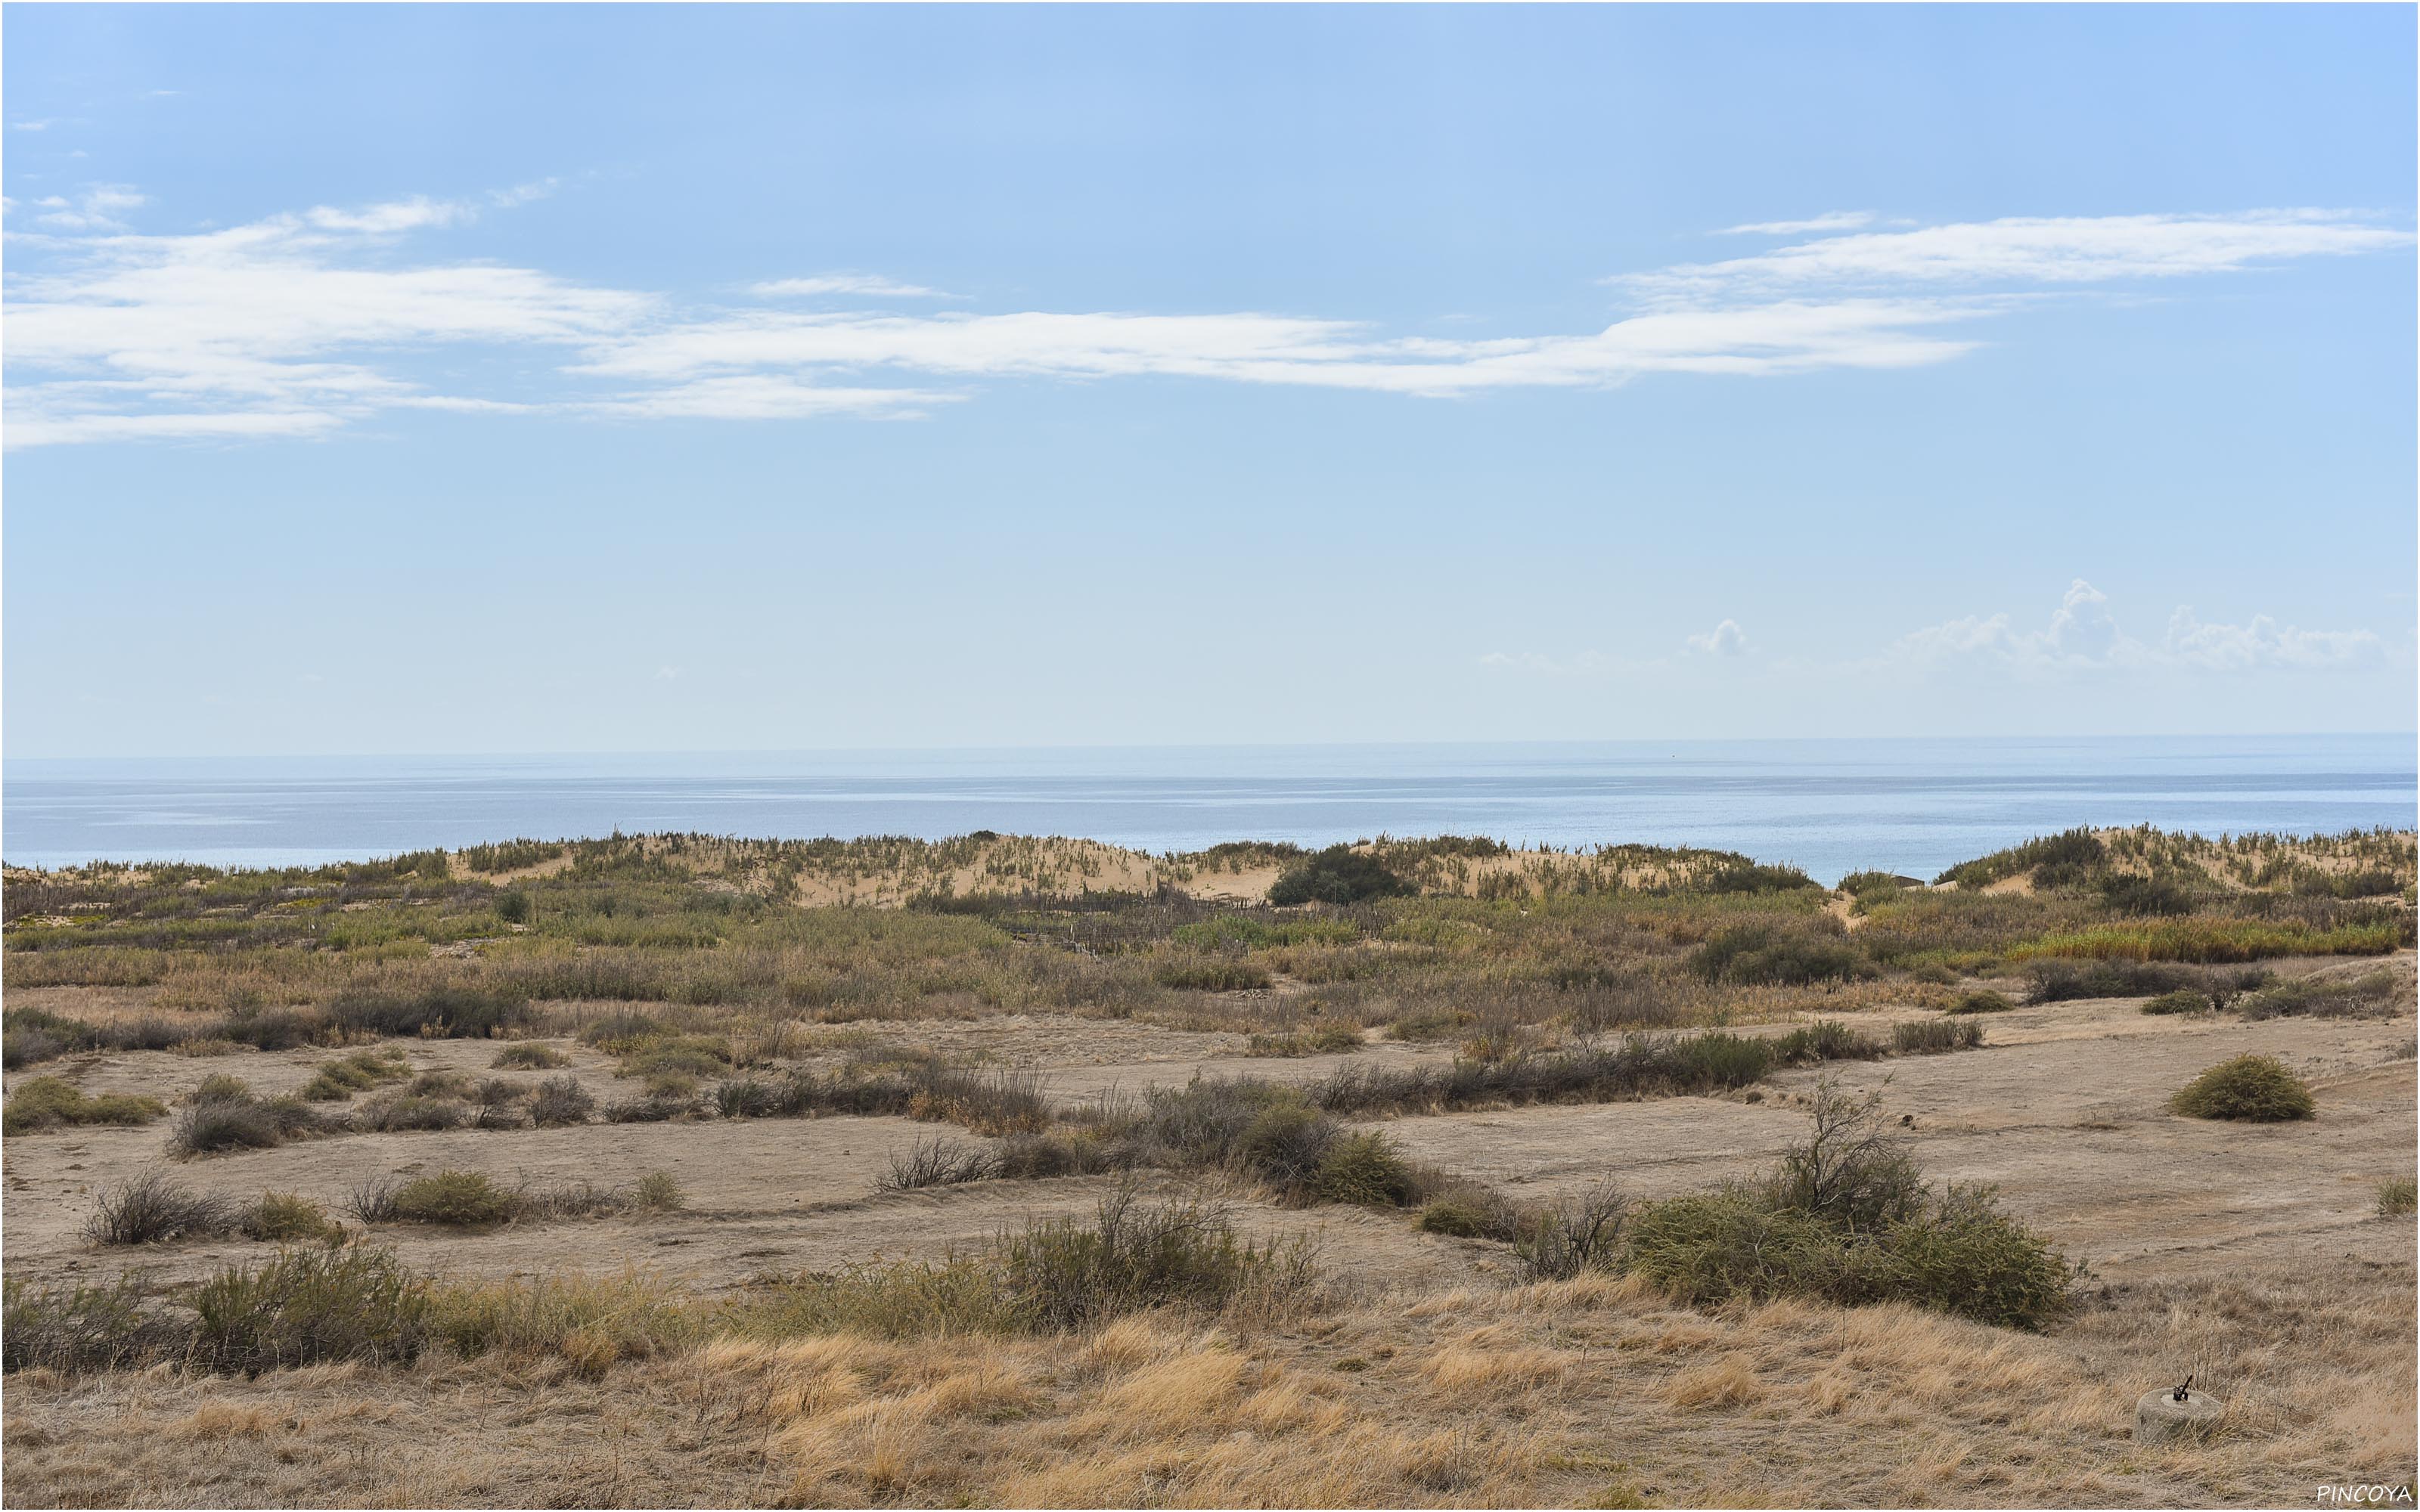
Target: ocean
(1829, 806)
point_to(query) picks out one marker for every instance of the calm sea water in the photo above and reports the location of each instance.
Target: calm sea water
(1831, 806)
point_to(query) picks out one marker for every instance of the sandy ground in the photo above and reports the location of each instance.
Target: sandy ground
(2064, 1109)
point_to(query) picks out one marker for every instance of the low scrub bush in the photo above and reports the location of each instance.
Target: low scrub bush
(49, 1102)
(443, 1013)
(2253, 1089)
(1824, 1040)
(79, 1329)
(311, 1307)
(226, 1117)
(1339, 874)
(155, 1209)
(938, 1163)
(462, 1200)
(1759, 954)
(1847, 1219)
(1985, 1001)
(2056, 981)
(2372, 995)
(336, 1081)
(1640, 1066)
(286, 1218)
(1327, 1040)
(2204, 938)
(1066, 1274)
(1932, 1037)
(1209, 974)
(2397, 1197)
(1468, 1211)
(1365, 1170)
(2186, 1000)
(395, 1112)
(560, 1100)
(529, 1055)
(1575, 1235)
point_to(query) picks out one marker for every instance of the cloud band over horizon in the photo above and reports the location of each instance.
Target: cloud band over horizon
(302, 323)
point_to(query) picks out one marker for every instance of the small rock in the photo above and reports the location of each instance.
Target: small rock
(2168, 1413)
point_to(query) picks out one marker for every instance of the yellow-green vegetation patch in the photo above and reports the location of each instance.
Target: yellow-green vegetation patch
(2216, 940)
(49, 1103)
(337, 1080)
(2397, 1197)
(1328, 1039)
(529, 1055)
(288, 1218)
(2253, 1089)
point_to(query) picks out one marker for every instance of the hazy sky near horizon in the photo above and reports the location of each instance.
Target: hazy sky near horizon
(432, 378)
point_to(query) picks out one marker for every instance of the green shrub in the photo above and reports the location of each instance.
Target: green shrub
(2253, 1089)
(1288, 1144)
(285, 1217)
(1209, 974)
(460, 1198)
(1466, 1214)
(903, 1299)
(2372, 995)
(1759, 954)
(1985, 1001)
(336, 1081)
(1365, 1170)
(2062, 981)
(2397, 1197)
(1068, 1274)
(1824, 1040)
(1932, 1037)
(1963, 1256)
(310, 1306)
(2185, 1001)
(1847, 1219)
(82, 1328)
(657, 1191)
(48, 1102)
(435, 1013)
(529, 1055)
(1339, 874)
(393, 1112)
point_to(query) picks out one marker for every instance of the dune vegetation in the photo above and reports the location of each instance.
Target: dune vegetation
(1032, 1171)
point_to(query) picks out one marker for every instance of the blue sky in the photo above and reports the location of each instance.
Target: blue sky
(391, 380)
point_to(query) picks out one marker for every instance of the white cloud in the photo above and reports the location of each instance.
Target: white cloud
(270, 329)
(1724, 640)
(2033, 252)
(2083, 637)
(1829, 220)
(302, 322)
(757, 396)
(34, 126)
(97, 208)
(2263, 642)
(868, 284)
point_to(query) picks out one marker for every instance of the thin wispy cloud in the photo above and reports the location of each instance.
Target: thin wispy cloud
(868, 286)
(1831, 221)
(304, 322)
(2081, 638)
(2029, 252)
